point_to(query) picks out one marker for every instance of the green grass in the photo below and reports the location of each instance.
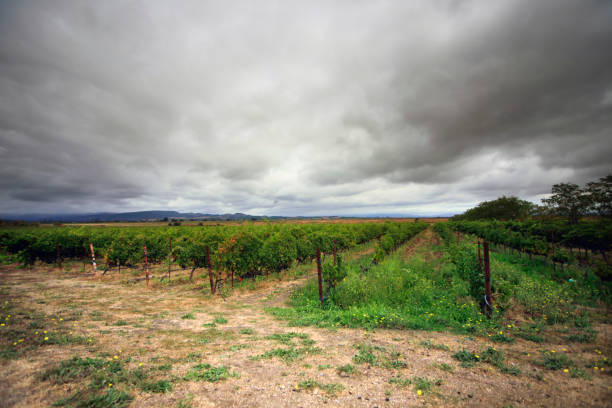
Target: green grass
(161, 386)
(208, 335)
(430, 345)
(247, 331)
(587, 336)
(185, 402)
(445, 293)
(531, 337)
(206, 372)
(500, 338)
(286, 338)
(400, 382)
(83, 399)
(192, 357)
(190, 316)
(576, 372)
(347, 369)
(70, 370)
(331, 389)
(288, 355)
(425, 385)
(220, 320)
(555, 361)
(105, 380)
(444, 367)
(467, 358)
(378, 356)
(164, 367)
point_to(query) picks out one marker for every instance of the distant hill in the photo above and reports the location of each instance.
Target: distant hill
(143, 216)
(129, 217)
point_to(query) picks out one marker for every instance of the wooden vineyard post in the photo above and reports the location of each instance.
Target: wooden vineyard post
(212, 284)
(146, 265)
(169, 256)
(59, 258)
(487, 277)
(93, 260)
(319, 275)
(335, 254)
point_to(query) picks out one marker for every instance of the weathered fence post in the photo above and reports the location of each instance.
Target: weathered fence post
(335, 254)
(319, 276)
(146, 265)
(93, 260)
(169, 256)
(59, 258)
(212, 284)
(487, 277)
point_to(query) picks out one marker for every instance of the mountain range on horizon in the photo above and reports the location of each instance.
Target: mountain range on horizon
(141, 216)
(126, 216)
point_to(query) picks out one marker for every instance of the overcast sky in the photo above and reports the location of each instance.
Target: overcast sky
(300, 107)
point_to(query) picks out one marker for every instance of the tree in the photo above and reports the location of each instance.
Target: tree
(503, 208)
(600, 195)
(568, 200)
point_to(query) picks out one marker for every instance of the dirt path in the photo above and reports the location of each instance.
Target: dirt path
(173, 326)
(422, 244)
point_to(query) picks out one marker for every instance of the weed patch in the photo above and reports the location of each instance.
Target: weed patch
(331, 389)
(555, 361)
(347, 370)
(206, 372)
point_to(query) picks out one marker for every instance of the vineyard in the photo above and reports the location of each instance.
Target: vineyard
(244, 250)
(399, 314)
(557, 241)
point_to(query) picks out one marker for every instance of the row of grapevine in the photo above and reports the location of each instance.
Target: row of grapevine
(464, 259)
(539, 238)
(395, 236)
(552, 240)
(247, 250)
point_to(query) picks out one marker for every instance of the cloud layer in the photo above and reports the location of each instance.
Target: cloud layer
(300, 108)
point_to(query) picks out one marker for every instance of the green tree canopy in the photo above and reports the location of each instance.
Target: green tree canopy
(503, 208)
(600, 196)
(568, 200)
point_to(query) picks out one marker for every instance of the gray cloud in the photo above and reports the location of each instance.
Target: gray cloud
(300, 107)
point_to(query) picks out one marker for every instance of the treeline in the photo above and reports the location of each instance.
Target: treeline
(567, 200)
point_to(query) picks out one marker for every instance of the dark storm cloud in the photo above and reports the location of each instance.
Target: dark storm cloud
(300, 107)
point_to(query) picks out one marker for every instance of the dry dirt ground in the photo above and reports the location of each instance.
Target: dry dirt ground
(169, 330)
